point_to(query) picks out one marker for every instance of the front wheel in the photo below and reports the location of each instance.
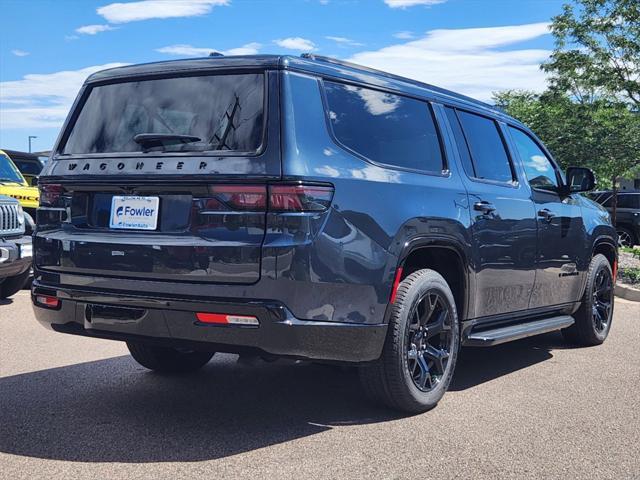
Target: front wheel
(168, 359)
(593, 318)
(626, 238)
(421, 346)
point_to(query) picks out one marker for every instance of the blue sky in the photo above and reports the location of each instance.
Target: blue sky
(47, 48)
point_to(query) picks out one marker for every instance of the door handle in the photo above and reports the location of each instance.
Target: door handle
(484, 207)
(546, 214)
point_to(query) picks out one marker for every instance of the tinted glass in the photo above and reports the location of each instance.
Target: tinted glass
(462, 143)
(487, 150)
(385, 128)
(29, 168)
(628, 201)
(538, 168)
(224, 111)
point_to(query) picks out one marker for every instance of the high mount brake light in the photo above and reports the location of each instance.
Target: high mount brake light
(50, 194)
(281, 198)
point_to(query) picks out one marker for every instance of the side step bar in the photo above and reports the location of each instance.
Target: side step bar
(489, 338)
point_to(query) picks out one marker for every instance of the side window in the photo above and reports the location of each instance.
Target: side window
(538, 168)
(628, 201)
(384, 128)
(462, 143)
(487, 149)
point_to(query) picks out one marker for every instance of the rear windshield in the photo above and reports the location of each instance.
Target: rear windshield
(204, 113)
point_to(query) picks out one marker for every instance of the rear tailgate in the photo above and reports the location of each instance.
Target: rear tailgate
(206, 208)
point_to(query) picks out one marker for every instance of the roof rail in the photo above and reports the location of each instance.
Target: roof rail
(444, 91)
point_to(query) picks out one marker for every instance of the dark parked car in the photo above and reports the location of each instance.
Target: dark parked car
(29, 165)
(314, 209)
(15, 247)
(627, 215)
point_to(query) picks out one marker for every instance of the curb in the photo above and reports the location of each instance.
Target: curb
(626, 292)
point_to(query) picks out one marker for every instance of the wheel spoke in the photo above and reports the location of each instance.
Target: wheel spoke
(439, 358)
(424, 380)
(439, 325)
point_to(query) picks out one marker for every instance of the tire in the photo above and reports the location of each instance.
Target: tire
(626, 238)
(395, 379)
(594, 317)
(167, 359)
(12, 285)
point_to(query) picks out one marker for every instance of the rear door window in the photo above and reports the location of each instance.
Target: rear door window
(225, 112)
(385, 128)
(486, 147)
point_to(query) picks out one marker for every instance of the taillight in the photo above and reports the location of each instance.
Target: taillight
(299, 198)
(280, 198)
(50, 194)
(237, 197)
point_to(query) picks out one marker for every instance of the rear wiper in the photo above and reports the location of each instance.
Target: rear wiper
(149, 140)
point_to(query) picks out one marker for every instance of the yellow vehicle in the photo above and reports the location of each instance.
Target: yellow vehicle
(13, 184)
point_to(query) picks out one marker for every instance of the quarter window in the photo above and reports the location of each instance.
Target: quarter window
(538, 168)
(385, 128)
(487, 148)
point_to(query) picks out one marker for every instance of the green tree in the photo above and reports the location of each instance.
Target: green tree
(597, 51)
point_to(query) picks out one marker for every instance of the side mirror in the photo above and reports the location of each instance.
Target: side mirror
(580, 179)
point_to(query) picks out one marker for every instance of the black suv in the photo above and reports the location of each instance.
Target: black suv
(627, 214)
(313, 209)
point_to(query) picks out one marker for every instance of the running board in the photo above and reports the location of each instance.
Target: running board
(489, 338)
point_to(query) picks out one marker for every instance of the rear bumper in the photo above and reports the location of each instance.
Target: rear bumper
(15, 256)
(172, 322)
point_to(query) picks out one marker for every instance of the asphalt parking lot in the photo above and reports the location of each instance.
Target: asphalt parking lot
(73, 407)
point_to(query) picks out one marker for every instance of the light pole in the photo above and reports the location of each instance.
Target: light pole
(30, 137)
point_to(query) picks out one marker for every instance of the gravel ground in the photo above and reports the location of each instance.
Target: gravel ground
(72, 407)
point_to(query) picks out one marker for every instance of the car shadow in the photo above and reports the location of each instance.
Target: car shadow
(113, 410)
(478, 365)
(5, 301)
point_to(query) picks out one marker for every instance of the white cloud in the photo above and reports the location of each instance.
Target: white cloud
(148, 9)
(20, 53)
(190, 51)
(472, 61)
(404, 35)
(411, 3)
(42, 100)
(296, 43)
(93, 29)
(344, 41)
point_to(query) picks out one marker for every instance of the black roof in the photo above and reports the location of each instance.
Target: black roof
(18, 155)
(308, 63)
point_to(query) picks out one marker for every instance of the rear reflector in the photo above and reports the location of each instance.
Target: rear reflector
(396, 284)
(47, 301)
(224, 319)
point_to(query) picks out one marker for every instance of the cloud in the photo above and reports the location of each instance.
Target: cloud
(344, 41)
(472, 61)
(296, 43)
(20, 53)
(411, 3)
(93, 29)
(190, 51)
(148, 9)
(42, 100)
(404, 35)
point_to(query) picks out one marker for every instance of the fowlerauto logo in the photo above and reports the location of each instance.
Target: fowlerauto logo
(134, 212)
